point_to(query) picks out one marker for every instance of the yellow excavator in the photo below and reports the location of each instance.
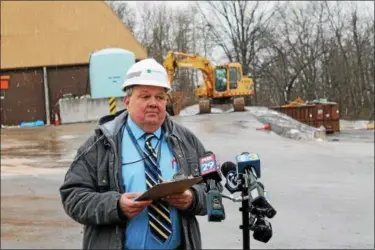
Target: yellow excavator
(222, 84)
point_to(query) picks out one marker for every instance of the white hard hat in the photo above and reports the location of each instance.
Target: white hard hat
(146, 72)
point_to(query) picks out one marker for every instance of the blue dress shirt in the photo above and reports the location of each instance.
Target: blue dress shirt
(138, 234)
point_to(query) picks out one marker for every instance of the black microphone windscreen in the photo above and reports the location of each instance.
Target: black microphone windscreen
(227, 166)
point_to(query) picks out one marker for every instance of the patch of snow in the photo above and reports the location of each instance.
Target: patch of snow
(358, 124)
(282, 124)
(67, 137)
(194, 110)
(190, 110)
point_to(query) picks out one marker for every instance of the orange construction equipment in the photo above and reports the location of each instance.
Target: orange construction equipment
(267, 126)
(222, 84)
(297, 102)
(57, 120)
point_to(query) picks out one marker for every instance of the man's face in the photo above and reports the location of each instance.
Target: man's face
(147, 107)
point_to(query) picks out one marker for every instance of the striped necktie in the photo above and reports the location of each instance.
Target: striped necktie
(158, 211)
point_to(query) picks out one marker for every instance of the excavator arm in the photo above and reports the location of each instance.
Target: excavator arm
(175, 60)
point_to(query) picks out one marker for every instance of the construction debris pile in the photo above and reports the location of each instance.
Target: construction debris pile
(286, 126)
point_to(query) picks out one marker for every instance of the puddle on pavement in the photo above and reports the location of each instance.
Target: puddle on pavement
(366, 136)
(30, 217)
(67, 137)
(46, 147)
(221, 125)
(9, 171)
(242, 124)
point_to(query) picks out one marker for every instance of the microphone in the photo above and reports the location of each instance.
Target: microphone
(211, 175)
(232, 172)
(233, 182)
(208, 167)
(243, 177)
(248, 161)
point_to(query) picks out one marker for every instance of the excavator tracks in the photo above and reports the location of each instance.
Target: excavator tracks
(239, 104)
(204, 106)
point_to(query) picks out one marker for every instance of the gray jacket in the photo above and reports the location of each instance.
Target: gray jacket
(93, 184)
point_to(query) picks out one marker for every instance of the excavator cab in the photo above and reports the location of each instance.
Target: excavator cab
(228, 77)
(220, 79)
(235, 76)
(228, 86)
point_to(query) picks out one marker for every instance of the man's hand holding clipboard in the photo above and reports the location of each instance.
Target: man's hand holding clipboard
(169, 188)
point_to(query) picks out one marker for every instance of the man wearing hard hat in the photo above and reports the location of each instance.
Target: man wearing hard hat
(129, 153)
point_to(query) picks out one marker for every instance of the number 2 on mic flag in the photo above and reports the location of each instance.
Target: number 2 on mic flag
(207, 164)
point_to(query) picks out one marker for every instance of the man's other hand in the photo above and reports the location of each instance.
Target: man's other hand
(181, 201)
(132, 208)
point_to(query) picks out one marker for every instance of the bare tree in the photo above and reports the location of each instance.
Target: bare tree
(163, 28)
(350, 67)
(360, 59)
(237, 27)
(155, 29)
(125, 12)
(320, 50)
(293, 52)
(311, 50)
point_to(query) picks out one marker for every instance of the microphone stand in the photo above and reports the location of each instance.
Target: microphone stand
(249, 220)
(245, 209)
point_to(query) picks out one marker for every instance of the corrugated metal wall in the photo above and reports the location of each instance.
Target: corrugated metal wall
(65, 80)
(24, 98)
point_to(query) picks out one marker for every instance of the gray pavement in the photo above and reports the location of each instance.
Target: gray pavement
(323, 191)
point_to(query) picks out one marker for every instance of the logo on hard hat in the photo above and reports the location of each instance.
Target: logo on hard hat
(154, 71)
(134, 74)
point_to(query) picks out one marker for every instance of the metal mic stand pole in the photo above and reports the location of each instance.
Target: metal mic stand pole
(245, 220)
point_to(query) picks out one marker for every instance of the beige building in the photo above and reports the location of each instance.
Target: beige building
(45, 47)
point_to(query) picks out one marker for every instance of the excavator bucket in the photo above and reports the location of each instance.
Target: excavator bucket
(174, 104)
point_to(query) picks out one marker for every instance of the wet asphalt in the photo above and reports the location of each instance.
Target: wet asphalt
(323, 191)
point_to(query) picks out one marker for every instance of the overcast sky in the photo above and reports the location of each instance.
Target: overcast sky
(364, 7)
(367, 6)
(170, 3)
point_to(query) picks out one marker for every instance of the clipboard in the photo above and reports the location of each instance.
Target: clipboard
(168, 188)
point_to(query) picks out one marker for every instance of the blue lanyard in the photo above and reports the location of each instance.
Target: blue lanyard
(140, 151)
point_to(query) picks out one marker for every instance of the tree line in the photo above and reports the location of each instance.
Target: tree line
(313, 50)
